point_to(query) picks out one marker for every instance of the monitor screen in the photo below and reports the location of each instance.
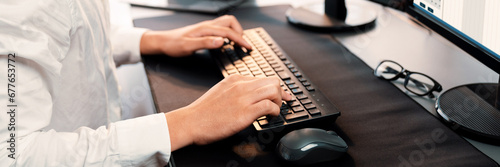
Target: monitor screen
(473, 25)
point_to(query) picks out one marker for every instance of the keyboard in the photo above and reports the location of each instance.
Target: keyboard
(267, 59)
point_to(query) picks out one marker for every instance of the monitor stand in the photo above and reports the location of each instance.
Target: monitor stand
(473, 111)
(337, 16)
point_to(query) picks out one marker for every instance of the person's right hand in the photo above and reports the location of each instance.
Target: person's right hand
(227, 108)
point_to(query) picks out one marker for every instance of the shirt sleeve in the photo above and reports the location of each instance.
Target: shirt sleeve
(142, 141)
(125, 39)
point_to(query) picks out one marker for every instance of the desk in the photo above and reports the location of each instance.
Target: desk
(195, 87)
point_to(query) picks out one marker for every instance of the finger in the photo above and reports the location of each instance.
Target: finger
(229, 21)
(260, 82)
(265, 107)
(269, 92)
(286, 96)
(213, 30)
(277, 82)
(210, 42)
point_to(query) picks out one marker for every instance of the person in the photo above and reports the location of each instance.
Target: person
(61, 106)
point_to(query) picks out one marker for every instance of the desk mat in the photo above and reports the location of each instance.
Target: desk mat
(381, 124)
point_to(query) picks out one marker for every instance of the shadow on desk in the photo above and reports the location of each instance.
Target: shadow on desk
(382, 125)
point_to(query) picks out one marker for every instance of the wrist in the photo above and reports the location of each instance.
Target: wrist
(150, 43)
(180, 132)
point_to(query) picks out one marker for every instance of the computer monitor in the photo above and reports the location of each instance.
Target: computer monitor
(473, 25)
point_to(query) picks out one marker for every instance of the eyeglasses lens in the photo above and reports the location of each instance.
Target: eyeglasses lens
(388, 70)
(419, 84)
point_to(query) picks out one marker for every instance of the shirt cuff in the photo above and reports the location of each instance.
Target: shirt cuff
(144, 140)
(126, 45)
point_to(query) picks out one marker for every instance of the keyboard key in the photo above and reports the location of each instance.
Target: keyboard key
(305, 101)
(238, 62)
(294, 104)
(275, 119)
(296, 116)
(306, 83)
(288, 82)
(272, 62)
(310, 88)
(298, 109)
(229, 67)
(314, 112)
(261, 118)
(267, 69)
(283, 75)
(281, 56)
(290, 66)
(247, 58)
(296, 91)
(265, 66)
(286, 111)
(293, 70)
(260, 75)
(293, 86)
(254, 69)
(297, 74)
(310, 106)
(283, 105)
(263, 122)
(301, 79)
(231, 72)
(251, 65)
(279, 69)
(301, 96)
(269, 73)
(287, 62)
(275, 65)
(256, 72)
(246, 73)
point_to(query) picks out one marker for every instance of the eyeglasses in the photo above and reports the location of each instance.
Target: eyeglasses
(415, 82)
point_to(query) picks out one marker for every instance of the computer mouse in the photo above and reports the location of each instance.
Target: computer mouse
(310, 145)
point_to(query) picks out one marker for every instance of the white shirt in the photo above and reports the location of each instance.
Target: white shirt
(66, 90)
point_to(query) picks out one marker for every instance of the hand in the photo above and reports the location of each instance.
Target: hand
(184, 41)
(227, 108)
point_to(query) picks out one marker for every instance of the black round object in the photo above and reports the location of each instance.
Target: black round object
(310, 145)
(472, 110)
(357, 18)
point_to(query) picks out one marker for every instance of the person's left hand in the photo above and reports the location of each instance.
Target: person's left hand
(184, 41)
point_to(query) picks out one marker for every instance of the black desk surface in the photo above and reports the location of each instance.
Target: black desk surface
(381, 124)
